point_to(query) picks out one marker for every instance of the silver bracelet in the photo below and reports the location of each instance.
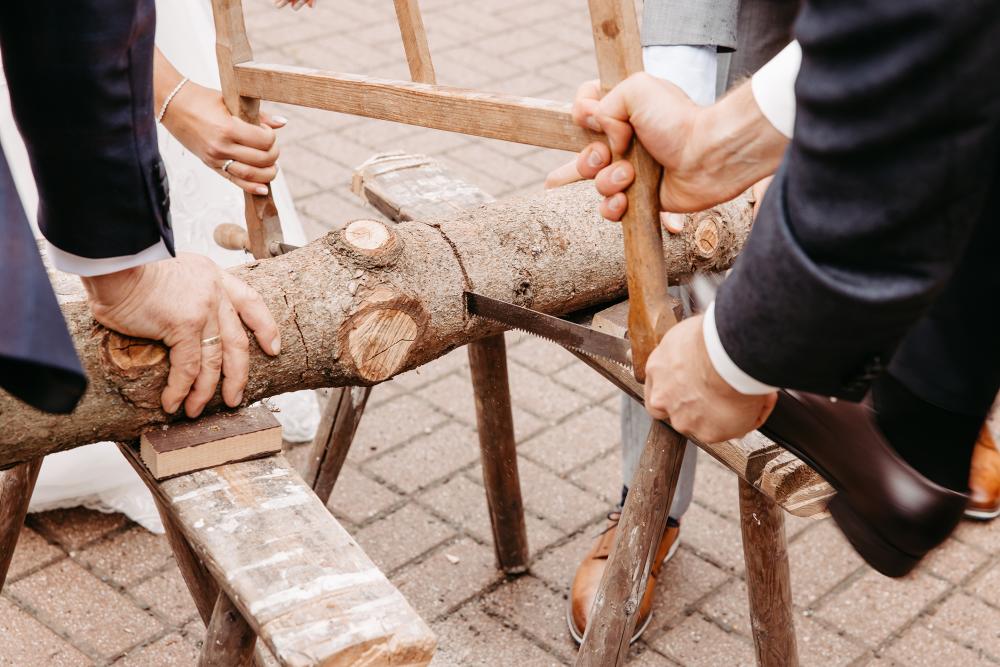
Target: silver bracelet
(166, 102)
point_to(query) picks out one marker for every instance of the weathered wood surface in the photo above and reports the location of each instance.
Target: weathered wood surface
(418, 52)
(769, 588)
(229, 639)
(524, 120)
(351, 316)
(298, 578)
(232, 48)
(16, 486)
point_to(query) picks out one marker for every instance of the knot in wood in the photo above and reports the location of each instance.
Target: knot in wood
(630, 606)
(370, 242)
(706, 238)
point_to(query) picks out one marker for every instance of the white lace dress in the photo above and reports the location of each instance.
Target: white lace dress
(96, 476)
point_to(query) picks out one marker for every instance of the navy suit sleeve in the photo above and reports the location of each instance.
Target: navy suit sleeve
(80, 76)
(895, 147)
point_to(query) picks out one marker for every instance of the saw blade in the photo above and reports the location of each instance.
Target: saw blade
(567, 334)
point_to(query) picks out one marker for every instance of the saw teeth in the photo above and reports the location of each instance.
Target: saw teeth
(571, 347)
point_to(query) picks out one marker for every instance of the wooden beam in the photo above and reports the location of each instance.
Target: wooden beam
(16, 485)
(229, 639)
(232, 48)
(769, 588)
(334, 435)
(523, 120)
(299, 579)
(418, 53)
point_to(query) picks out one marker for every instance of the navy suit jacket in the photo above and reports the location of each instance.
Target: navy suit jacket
(80, 76)
(896, 151)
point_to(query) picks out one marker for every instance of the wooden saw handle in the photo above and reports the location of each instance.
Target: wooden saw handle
(619, 54)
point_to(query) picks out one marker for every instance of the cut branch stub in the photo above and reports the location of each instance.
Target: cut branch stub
(370, 242)
(135, 367)
(706, 237)
(379, 336)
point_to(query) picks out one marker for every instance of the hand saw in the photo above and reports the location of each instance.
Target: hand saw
(559, 331)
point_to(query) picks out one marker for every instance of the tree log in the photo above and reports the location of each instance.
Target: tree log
(353, 313)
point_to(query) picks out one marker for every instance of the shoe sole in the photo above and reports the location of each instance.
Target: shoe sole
(982, 515)
(884, 557)
(578, 638)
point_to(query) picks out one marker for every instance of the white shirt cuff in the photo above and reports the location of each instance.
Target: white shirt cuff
(773, 88)
(85, 266)
(724, 365)
(691, 68)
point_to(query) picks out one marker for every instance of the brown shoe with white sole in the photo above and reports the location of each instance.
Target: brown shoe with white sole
(984, 479)
(589, 573)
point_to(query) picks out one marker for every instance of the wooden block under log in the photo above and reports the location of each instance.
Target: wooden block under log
(225, 437)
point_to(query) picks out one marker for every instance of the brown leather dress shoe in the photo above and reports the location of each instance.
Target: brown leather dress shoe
(984, 479)
(891, 514)
(588, 577)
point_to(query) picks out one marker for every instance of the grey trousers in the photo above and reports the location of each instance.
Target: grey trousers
(635, 425)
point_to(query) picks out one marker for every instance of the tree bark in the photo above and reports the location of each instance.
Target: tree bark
(367, 302)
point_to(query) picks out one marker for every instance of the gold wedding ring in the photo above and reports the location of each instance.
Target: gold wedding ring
(209, 342)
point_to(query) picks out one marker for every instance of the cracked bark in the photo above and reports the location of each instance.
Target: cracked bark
(368, 302)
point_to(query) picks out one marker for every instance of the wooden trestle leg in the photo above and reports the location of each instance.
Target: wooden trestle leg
(16, 485)
(337, 427)
(769, 589)
(498, 453)
(229, 640)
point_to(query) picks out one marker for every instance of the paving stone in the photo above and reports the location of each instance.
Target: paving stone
(32, 551)
(401, 536)
(428, 458)
(391, 424)
(729, 608)
(537, 611)
(169, 651)
(922, 647)
(357, 498)
(873, 607)
(970, 621)
(544, 357)
(126, 557)
(982, 534)
(699, 643)
(25, 641)
(541, 395)
(462, 501)
(167, 595)
(819, 647)
(453, 573)
(558, 501)
(72, 528)
(91, 613)
(557, 565)
(683, 581)
(470, 637)
(581, 378)
(819, 560)
(716, 487)
(986, 585)
(713, 538)
(578, 440)
(602, 477)
(954, 561)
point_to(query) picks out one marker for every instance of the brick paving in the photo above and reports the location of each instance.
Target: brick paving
(92, 589)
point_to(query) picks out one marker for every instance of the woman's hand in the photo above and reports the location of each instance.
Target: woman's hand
(198, 118)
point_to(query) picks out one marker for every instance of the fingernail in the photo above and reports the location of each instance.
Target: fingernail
(276, 344)
(618, 175)
(594, 159)
(261, 189)
(298, 4)
(280, 119)
(239, 398)
(674, 222)
(593, 124)
(172, 407)
(615, 203)
(280, 3)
